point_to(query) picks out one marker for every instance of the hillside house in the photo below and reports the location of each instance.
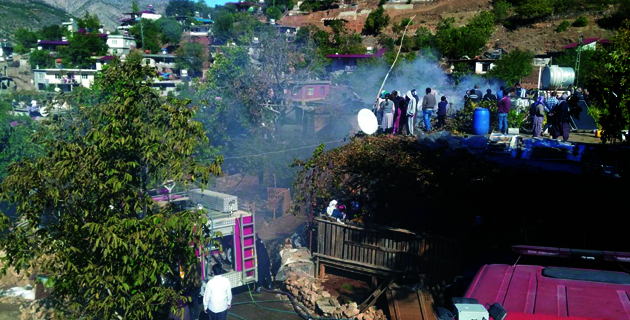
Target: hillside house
(51, 45)
(246, 6)
(71, 25)
(479, 66)
(120, 44)
(64, 79)
(102, 61)
(135, 17)
(6, 50)
(165, 86)
(349, 62)
(588, 44)
(160, 61)
(200, 30)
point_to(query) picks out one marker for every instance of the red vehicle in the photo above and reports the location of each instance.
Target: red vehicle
(539, 292)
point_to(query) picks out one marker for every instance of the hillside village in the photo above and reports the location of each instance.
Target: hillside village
(539, 38)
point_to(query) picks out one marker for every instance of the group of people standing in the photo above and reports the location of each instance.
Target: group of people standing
(559, 108)
(399, 114)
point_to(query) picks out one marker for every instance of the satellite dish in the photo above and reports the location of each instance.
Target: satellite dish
(367, 121)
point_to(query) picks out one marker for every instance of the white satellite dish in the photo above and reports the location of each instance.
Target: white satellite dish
(367, 121)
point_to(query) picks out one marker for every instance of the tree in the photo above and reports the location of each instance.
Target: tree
(91, 223)
(170, 30)
(52, 32)
(223, 27)
(191, 56)
(274, 13)
(90, 23)
(535, 8)
(151, 32)
(81, 50)
(376, 21)
(468, 40)
(41, 59)
(15, 139)
(500, 8)
(609, 86)
(134, 6)
(513, 66)
(284, 5)
(25, 38)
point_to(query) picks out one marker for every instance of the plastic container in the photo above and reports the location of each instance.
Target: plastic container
(554, 77)
(481, 121)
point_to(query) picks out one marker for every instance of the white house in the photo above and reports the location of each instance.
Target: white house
(120, 44)
(70, 25)
(480, 66)
(6, 50)
(160, 61)
(64, 79)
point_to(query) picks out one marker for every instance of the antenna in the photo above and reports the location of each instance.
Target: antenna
(577, 60)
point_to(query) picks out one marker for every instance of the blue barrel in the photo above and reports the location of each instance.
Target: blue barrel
(481, 121)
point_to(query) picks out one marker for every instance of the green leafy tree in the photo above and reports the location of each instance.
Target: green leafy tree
(284, 5)
(274, 13)
(468, 40)
(191, 56)
(376, 21)
(15, 139)
(91, 223)
(52, 32)
(223, 27)
(424, 38)
(589, 62)
(170, 30)
(42, 59)
(609, 86)
(134, 6)
(513, 66)
(535, 8)
(90, 23)
(501, 9)
(25, 39)
(81, 50)
(151, 32)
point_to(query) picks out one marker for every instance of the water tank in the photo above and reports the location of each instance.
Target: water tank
(554, 77)
(481, 121)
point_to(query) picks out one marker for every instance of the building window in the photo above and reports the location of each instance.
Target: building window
(310, 91)
(57, 76)
(114, 41)
(485, 67)
(40, 75)
(84, 76)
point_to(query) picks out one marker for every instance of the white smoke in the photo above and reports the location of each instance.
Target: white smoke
(424, 72)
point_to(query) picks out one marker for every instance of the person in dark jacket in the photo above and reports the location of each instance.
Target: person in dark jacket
(489, 96)
(442, 107)
(475, 94)
(264, 265)
(561, 118)
(503, 109)
(400, 116)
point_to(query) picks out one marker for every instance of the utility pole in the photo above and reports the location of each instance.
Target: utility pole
(577, 60)
(142, 35)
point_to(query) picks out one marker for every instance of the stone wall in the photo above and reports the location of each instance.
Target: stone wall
(311, 293)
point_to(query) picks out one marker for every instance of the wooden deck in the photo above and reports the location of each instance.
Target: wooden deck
(382, 251)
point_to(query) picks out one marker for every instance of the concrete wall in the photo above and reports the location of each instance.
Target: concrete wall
(398, 6)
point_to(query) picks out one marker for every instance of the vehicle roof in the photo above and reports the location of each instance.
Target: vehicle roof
(523, 289)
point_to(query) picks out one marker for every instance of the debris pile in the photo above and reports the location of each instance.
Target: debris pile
(37, 310)
(311, 293)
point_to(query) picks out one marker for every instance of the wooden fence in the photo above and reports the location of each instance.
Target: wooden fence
(383, 250)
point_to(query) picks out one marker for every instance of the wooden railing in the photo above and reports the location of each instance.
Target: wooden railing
(383, 250)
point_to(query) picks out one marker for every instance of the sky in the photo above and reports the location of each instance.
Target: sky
(212, 3)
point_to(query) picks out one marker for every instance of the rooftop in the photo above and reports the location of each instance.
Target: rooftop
(54, 42)
(584, 42)
(375, 55)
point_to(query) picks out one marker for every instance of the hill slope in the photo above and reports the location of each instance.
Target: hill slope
(28, 13)
(108, 11)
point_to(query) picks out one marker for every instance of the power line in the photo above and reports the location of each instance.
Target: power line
(281, 151)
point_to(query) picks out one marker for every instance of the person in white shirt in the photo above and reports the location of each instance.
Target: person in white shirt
(217, 298)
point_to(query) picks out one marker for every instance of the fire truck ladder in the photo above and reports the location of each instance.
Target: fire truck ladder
(248, 246)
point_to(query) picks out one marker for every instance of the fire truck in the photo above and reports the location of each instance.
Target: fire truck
(230, 242)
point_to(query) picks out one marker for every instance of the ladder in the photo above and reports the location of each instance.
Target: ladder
(377, 293)
(248, 249)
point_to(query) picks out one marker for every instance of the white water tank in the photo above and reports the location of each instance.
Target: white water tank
(554, 77)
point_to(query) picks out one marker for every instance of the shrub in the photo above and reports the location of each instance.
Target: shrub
(581, 21)
(500, 9)
(564, 25)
